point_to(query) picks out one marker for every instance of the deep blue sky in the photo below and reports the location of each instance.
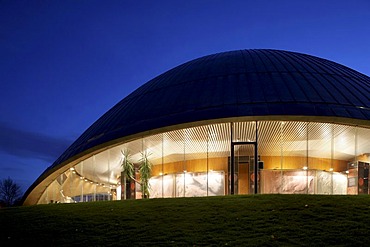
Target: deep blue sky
(65, 63)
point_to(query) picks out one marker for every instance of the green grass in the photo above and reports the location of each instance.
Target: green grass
(254, 220)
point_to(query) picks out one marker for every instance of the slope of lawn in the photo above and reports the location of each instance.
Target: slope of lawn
(252, 220)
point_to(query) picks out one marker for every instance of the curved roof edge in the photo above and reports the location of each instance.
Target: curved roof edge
(99, 148)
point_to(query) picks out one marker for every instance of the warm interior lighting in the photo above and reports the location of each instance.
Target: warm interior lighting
(274, 140)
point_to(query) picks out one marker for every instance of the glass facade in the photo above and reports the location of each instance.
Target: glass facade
(292, 157)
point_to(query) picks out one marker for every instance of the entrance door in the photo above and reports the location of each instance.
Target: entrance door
(243, 157)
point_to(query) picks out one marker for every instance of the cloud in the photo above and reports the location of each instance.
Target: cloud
(26, 144)
(23, 170)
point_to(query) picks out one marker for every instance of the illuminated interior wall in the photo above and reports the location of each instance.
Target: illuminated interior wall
(298, 157)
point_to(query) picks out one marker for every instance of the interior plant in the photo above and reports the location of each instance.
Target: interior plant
(128, 169)
(145, 170)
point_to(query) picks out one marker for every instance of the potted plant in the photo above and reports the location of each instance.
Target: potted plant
(145, 170)
(128, 170)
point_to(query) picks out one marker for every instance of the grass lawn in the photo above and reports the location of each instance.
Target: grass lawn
(252, 220)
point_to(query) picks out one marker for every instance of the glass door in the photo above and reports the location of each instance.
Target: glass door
(243, 164)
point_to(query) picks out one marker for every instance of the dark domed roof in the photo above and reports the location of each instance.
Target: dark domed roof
(234, 84)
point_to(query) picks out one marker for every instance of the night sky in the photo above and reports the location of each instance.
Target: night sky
(65, 63)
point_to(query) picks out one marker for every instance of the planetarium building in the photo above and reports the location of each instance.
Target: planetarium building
(238, 122)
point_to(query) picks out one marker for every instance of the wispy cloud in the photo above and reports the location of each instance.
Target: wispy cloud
(23, 170)
(26, 144)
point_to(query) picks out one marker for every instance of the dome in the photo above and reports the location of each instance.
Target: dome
(243, 83)
(256, 84)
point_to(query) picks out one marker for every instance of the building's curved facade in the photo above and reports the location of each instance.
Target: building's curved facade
(306, 119)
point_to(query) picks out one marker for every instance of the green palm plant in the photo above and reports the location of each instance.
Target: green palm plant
(128, 169)
(145, 170)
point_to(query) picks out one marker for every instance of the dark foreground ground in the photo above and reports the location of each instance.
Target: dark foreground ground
(254, 220)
